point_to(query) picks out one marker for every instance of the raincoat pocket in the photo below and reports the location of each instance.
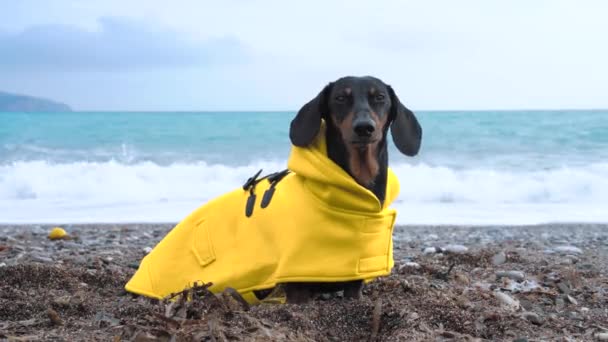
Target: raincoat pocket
(201, 245)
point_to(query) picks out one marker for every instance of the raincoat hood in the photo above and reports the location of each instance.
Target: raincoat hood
(331, 183)
(312, 224)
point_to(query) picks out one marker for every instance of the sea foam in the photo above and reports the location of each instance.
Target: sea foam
(39, 191)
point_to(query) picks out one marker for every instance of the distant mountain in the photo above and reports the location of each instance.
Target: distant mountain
(24, 103)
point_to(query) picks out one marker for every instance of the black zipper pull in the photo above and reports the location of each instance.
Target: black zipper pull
(250, 204)
(267, 196)
(274, 180)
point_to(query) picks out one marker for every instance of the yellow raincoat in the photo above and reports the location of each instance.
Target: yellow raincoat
(319, 226)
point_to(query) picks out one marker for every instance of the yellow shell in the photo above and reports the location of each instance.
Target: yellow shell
(57, 233)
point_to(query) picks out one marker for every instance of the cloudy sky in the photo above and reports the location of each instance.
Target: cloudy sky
(276, 55)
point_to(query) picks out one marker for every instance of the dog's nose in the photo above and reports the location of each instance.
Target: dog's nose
(364, 128)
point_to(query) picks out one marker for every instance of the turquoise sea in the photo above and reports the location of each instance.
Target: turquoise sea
(474, 167)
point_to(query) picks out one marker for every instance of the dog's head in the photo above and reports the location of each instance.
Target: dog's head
(360, 110)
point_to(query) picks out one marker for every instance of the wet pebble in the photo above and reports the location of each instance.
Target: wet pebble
(515, 275)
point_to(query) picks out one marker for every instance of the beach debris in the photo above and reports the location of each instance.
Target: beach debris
(445, 276)
(515, 275)
(506, 300)
(527, 285)
(499, 258)
(58, 233)
(377, 313)
(567, 249)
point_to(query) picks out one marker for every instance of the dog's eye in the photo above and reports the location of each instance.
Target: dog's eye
(379, 97)
(341, 98)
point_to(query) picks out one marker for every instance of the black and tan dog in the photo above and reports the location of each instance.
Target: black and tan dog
(323, 225)
(358, 112)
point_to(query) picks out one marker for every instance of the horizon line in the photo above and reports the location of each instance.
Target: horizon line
(295, 110)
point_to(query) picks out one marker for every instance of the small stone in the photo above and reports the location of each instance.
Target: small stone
(515, 275)
(568, 250)
(563, 287)
(54, 317)
(2, 264)
(585, 266)
(147, 250)
(462, 278)
(559, 302)
(584, 309)
(533, 318)
(507, 300)
(572, 300)
(432, 237)
(521, 339)
(62, 301)
(410, 264)
(325, 296)
(603, 336)
(499, 259)
(455, 248)
(431, 250)
(41, 258)
(412, 316)
(571, 259)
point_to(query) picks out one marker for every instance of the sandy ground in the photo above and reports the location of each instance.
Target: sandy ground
(526, 283)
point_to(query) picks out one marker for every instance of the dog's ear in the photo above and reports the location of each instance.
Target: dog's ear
(305, 126)
(405, 129)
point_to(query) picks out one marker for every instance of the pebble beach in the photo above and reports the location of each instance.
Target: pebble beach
(469, 283)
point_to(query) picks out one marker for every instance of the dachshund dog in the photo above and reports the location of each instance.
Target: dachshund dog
(358, 112)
